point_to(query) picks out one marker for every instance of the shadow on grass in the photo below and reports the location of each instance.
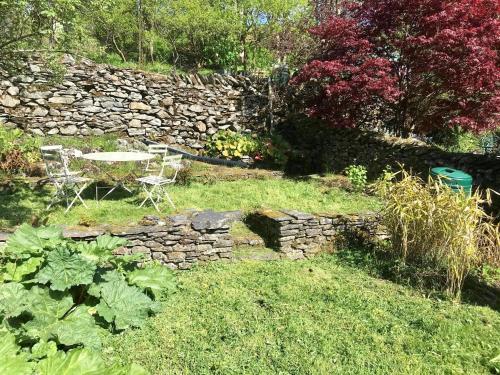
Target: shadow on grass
(23, 202)
(424, 279)
(104, 187)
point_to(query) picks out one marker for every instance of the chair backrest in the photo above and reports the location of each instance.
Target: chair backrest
(156, 149)
(55, 162)
(171, 161)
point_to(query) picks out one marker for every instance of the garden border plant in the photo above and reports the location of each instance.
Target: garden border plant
(270, 149)
(434, 227)
(59, 298)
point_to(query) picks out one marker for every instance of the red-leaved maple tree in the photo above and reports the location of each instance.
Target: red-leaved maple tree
(416, 65)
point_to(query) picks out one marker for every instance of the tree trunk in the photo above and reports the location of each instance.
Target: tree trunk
(118, 49)
(244, 57)
(140, 37)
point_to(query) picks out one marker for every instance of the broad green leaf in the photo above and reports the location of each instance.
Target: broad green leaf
(53, 320)
(112, 275)
(27, 239)
(8, 346)
(14, 299)
(79, 327)
(83, 362)
(75, 362)
(65, 269)
(100, 249)
(121, 261)
(46, 308)
(44, 349)
(157, 279)
(125, 306)
(15, 271)
(11, 362)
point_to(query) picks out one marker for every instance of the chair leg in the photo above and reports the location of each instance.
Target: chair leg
(169, 199)
(59, 194)
(155, 203)
(150, 196)
(78, 191)
(80, 196)
(54, 200)
(164, 192)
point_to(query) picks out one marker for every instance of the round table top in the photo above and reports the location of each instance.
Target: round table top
(118, 156)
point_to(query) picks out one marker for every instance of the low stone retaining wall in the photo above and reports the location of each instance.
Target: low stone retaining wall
(178, 242)
(301, 235)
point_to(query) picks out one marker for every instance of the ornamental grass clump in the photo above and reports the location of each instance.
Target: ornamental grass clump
(433, 226)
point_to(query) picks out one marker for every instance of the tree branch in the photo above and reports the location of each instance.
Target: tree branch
(2, 46)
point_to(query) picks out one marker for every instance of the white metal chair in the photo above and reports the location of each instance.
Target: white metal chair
(156, 149)
(66, 182)
(155, 185)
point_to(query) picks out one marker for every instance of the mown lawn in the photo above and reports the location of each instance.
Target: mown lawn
(21, 202)
(310, 317)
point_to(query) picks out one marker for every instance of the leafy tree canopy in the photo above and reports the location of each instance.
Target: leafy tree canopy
(417, 66)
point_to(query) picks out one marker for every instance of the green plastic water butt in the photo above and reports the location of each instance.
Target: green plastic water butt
(454, 178)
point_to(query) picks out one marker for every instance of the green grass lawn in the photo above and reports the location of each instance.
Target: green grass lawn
(23, 201)
(318, 316)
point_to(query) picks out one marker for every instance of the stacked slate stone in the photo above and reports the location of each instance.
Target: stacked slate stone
(183, 240)
(179, 241)
(93, 99)
(301, 235)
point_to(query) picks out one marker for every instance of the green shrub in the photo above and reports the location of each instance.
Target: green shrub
(433, 226)
(231, 145)
(275, 149)
(59, 294)
(18, 151)
(357, 176)
(490, 142)
(458, 140)
(185, 174)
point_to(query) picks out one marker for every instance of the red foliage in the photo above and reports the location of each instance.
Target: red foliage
(350, 75)
(428, 63)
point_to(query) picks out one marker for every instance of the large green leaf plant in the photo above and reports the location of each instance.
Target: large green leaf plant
(59, 298)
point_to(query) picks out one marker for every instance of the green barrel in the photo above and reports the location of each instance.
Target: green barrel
(454, 178)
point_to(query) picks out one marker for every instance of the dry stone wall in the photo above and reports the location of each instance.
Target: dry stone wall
(98, 99)
(318, 148)
(179, 241)
(301, 235)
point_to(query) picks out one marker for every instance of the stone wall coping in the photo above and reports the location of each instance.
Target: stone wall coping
(274, 215)
(197, 220)
(298, 215)
(284, 215)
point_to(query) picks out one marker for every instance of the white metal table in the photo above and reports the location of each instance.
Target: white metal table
(117, 157)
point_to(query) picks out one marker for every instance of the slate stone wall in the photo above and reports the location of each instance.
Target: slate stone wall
(179, 242)
(301, 235)
(98, 99)
(319, 148)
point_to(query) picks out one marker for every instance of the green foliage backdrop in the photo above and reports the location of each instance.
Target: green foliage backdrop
(189, 34)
